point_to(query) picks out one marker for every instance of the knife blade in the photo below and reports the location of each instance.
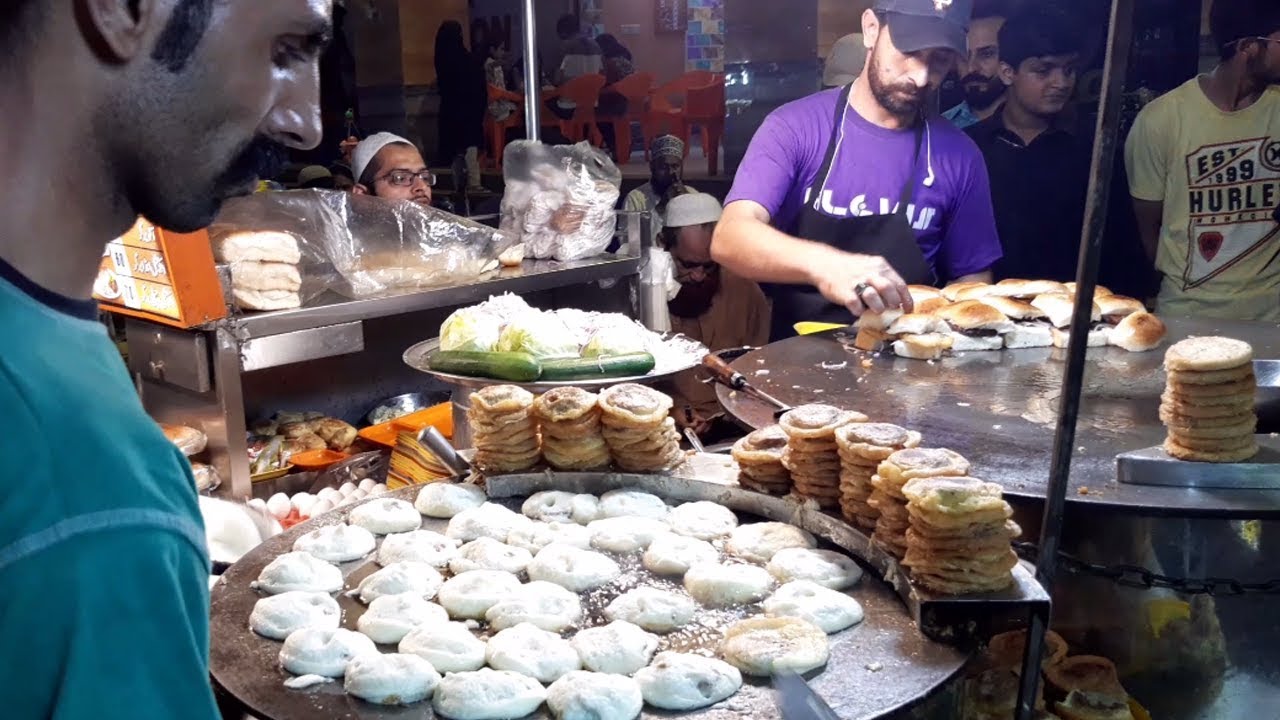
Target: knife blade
(798, 701)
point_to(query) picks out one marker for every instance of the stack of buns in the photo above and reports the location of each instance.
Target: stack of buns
(569, 420)
(1208, 403)
(958, 540)
(892, 475)
(638, 428)
(504, 429)
(863, 446)
(759, 458)
(1011, 314)
(264, 268)
(812, 456)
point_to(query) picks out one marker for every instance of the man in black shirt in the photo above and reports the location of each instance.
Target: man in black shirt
(1039, 169)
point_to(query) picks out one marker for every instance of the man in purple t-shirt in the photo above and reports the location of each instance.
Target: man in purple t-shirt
(846, 197)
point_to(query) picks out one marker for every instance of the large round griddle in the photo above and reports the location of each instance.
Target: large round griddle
(999, 409)
(880, 666)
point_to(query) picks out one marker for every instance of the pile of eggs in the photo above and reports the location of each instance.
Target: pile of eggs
(304, 505)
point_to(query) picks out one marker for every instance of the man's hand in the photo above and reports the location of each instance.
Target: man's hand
(347, 147)
(692, 419)
(840, 280)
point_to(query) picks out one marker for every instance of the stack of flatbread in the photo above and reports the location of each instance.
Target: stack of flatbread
(958, 541)
(639, 430)
(504, 429)
(572, 437)
(888, 500)
(812, 456)
(1208, 403)
(759, 458)
(863, 446)
(264, 269)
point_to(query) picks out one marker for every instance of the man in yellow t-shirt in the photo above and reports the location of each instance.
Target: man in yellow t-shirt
(1204, 172)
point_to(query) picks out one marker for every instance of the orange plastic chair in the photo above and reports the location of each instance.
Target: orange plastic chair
(635, 88)
(705, 111)
(698, 78)
(665, 116)
(584, 92)
(497, 130)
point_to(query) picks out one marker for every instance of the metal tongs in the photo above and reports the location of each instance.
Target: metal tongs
(734, 380)
(431, 439)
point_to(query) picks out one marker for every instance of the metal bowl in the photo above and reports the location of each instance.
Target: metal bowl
(401, 405)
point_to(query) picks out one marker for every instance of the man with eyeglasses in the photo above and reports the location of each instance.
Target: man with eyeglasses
(390, 167)
(1204, 173)
(715, 307)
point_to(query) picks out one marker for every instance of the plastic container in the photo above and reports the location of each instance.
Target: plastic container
(317, 459)
(438, 416)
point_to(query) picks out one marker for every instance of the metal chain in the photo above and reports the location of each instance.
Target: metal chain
(1135, 576)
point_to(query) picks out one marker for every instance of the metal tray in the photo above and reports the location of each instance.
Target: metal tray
(880, 666)
(416, 358)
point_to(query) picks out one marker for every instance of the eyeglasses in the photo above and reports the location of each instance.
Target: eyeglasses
(1258, 38)
(404, 178)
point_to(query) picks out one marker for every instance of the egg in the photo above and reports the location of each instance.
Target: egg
(303, 502)
(258, 504)
(279, 505)
(329, 494)
(367, 484)
(377, 490)
(347, 489)
(321, 507)
(357, 496)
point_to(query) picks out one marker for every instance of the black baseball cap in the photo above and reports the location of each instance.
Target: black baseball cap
(925, 24)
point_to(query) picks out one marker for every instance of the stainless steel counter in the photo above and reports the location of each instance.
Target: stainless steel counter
(999, 410)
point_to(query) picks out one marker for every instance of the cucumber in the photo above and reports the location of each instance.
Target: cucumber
(633, 364)
(510, 366)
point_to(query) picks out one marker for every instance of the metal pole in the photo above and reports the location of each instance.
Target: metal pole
(1106, 138)
(532, 81)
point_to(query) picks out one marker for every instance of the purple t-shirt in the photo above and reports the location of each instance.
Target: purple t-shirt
(954, 217)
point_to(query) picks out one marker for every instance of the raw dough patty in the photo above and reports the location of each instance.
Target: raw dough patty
(716, 585)
(828, 609)
(702, 520)
(278, 616)
(298, 571)
(629, 502)
(759, 542)
(385, 516)
(489, 520)
(470, 595)
(444, 499)
(528, 650)
(559, 506)
(673, 554)
(594, 696)
(543, 604)
(401, 577)
(572, 568)
(316, 651)
(489, 554)
(539, 535)
(660, 611)
(449, 647)
(487, 695)
(825, 567)
(391, 679)
(625, 535)
(678, 681)
(337, 543)
(391, 617)
(421, 546)
(620, 648)
(765, 646)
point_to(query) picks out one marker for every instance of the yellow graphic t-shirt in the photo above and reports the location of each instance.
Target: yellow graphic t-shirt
(1218, 175)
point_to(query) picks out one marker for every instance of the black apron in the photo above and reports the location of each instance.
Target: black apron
(889, 236)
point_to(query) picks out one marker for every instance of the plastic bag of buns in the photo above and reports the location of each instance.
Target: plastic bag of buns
(560, 199)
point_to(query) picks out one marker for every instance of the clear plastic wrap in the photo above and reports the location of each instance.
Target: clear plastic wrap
(560, 199)
(363, 246)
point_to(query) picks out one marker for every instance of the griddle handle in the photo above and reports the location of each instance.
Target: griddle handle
(721, 371)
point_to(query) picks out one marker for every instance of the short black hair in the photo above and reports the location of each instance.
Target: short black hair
(374, 168)
(177, 43)
(989, 9)
(568, 25)
(1231, 21)
(1038, 31)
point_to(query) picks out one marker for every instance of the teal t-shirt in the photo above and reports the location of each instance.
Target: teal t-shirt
(104, 602)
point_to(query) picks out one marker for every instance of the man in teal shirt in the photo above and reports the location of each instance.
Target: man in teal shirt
(116, 108)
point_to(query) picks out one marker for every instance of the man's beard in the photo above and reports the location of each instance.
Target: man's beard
(902, 100)
(262, 159)
(981, 92)
(695, 299)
